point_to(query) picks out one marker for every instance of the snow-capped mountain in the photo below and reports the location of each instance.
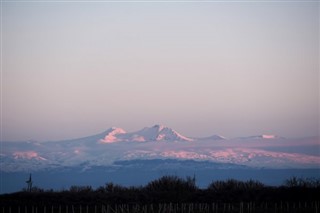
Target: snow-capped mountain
(114, 134)
(160, 142)
(154, 133)
(160, 133)
(98, 154)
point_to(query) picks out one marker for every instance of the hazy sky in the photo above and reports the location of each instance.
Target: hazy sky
(235, 69)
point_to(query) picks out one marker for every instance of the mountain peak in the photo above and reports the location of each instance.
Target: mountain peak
(111, 135)
(161, 133)
(214, 137)
(157, 132)
(160, 127)
(114, 128)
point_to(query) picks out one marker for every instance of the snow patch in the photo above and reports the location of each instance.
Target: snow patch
(27, 155)
(111, 135)
(268, 136)
(154, 133)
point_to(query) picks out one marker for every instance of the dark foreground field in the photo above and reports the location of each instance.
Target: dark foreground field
(171, 194)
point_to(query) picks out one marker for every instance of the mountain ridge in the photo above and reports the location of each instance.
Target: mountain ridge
(155, 133)
(159, 132)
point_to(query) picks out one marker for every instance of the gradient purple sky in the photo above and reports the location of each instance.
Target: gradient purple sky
(235, 69)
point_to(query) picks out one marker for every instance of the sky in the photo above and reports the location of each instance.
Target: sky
(72, 69)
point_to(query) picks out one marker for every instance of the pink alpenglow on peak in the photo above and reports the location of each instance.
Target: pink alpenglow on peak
(269, 136)
(27, 155)
(111, 135)
(161, 133)
(147, 134)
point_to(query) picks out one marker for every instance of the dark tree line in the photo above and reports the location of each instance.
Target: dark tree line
(171, 189)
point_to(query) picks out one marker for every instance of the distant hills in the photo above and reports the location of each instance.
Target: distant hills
(152, 151)
(160, 142)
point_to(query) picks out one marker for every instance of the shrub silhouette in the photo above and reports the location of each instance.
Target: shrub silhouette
(171, 183)
(295, 182)
(111, 188)
(234, 190)
(80, 189)
(235, 185)
(171, 189)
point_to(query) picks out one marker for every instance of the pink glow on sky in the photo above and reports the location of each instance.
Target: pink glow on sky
(73, 69)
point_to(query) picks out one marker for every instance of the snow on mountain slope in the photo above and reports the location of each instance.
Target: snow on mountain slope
(252, 157)
(27, 155)
(160, 133)
(116, 144)
(113, 135)
(154, 133)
